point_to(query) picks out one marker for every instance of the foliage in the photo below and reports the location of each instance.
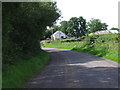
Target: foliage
(77, 27)
(24, 25)
(49, 32)
(55, 28)
(91, 34)
(64, 26)
(114, 28)
(15, 76)
(96, 25)
(105, 46)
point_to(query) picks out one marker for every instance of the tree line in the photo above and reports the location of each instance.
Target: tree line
(77, 27)
(24, 25)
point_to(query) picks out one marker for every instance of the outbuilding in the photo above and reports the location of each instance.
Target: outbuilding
(106, 32)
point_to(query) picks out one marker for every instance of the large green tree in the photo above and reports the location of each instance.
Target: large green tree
(96, 25)
(77, 27)
(24, 24)
(63, 26)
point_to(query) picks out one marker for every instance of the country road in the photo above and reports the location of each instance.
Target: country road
(72, 69)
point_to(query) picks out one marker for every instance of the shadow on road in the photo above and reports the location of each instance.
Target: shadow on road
(71, 69)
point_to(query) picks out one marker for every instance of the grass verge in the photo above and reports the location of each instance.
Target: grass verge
(16, 76)
(105, 46)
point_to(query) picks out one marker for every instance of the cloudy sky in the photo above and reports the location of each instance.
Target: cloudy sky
(105, 10)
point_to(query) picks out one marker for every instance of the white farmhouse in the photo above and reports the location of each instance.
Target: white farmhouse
(59, 35)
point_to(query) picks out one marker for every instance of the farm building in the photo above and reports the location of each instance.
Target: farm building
(59, 35)
(106, 32)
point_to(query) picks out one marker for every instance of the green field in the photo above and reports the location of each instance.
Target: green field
(105, 46)
(17, 75)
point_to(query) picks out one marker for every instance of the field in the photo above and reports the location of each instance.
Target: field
(105, 46)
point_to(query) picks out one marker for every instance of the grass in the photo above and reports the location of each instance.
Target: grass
(105, 46)
(17, 75)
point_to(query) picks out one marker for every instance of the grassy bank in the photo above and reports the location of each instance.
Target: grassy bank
(16, 75)
(105, 46)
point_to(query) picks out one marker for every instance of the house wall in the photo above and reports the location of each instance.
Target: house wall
(59, 35)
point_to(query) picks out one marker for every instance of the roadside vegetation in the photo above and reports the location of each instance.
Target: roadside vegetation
(24, 25)
(18, 74)
(82, 37)
(105, 46)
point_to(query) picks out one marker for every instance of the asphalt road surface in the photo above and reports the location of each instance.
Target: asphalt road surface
(72, 69)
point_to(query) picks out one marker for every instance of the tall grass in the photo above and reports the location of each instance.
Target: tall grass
(16, 75)
(105, 46)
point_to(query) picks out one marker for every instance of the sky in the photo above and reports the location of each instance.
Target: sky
(105, 10)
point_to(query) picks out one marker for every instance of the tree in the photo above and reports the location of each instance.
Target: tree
(55, 28)
(63, 27)
(24, 25)
(96, 25)
(77, 27)
(48, 33)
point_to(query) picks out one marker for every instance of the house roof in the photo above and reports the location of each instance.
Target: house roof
(106, 32)
(57, 32)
